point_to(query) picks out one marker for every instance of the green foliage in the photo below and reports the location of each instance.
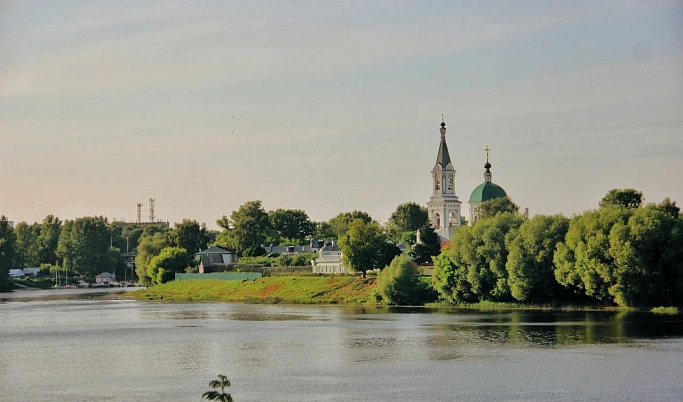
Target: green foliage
(50, 230)
(84, 246)
(131, 234)
(222, 382)
(530, 261)
(149, 247)
(248, 226)
(162, 268)
(627, 198)
(323, 230)
(257, 251)
(7, 251)
(400, 283)
(491, 208)
(478, 255)
(428, 247)
(302, 259)
(340, 223)
(408, 217)
(362, 245)
(190, 235)
(291, 224)
(583, 261)
(28, 245)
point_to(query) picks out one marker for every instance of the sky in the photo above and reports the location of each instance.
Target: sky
(333, 106)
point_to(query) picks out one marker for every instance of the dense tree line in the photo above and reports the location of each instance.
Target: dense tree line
(623, 253)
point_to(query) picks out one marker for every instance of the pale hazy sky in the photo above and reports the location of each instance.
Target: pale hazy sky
(333, 106)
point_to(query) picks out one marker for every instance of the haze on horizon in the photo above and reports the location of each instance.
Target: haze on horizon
(333, 106)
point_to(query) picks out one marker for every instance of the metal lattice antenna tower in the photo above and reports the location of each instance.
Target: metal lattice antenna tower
(152, 216)
(139, 204)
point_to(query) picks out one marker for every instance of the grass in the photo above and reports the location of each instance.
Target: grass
(666, 310)
(301, 290)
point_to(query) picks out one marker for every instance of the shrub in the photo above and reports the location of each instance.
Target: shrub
(400, 283)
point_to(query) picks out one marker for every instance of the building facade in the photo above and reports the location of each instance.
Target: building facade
(444, 206)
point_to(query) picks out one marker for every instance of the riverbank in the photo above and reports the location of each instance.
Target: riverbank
(287, 289)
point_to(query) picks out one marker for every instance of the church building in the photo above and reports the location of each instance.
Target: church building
(485, 191)
(444, 206)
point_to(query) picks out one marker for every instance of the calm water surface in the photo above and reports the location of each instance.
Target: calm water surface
(142, 351)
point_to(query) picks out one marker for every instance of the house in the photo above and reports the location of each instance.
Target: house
(32, 272)
(329, 261)
(105, 278)
(215, 259)
(16, 274)
(292, 250)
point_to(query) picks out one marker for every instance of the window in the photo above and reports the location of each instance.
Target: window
(450, 182)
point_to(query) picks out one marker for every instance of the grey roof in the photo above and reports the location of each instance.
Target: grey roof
(214, 250)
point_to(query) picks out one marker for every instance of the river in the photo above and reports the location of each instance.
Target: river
(126, 350)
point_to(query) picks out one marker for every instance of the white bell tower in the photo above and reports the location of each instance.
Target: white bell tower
(444, 206)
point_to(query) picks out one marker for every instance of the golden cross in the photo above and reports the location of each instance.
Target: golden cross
(487, 149)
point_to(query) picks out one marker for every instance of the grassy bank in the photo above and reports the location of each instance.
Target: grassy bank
(303, 289)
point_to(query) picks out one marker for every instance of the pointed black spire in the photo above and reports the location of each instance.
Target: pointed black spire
(443, 158)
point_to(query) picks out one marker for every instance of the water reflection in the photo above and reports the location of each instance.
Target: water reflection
(555, 329)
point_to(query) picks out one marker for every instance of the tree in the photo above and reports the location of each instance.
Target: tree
(530, 260)
(400, 283)
(214, 395)
(340, 223)
(386, 253)
(629, 256)
(84, 246)
(428, 247)
(361, 245)
(323, 230)
(627, 198)
(50, 229)
(248, 226)
(669, 207)
(7, 251)
(291, 224)
(149, 247)
(477, 255)
(491, 208)
(408, 217)
(27, 245)
(190, 235)
(162, 268)
(583, 261)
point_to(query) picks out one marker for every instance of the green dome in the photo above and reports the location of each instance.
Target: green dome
(487, 191)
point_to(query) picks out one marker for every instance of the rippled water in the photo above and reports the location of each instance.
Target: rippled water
(142, 351)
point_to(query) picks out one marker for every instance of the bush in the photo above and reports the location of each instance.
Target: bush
(257, 251)
(401, 283)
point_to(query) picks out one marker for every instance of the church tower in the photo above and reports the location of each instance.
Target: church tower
(444, 206)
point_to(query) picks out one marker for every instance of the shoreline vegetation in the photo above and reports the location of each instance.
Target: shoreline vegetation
(321, 290)
(343, 290)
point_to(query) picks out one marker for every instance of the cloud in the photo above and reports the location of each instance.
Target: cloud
(168, 46)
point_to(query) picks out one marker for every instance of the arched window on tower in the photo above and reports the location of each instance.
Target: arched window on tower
(453, 219)
(437, 184)
(437, 221)
(450, 183)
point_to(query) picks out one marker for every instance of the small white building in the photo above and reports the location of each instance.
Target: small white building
(105, 278)
(329, 261)
(16, 274)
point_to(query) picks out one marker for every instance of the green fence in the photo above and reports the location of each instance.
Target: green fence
(226, 276)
